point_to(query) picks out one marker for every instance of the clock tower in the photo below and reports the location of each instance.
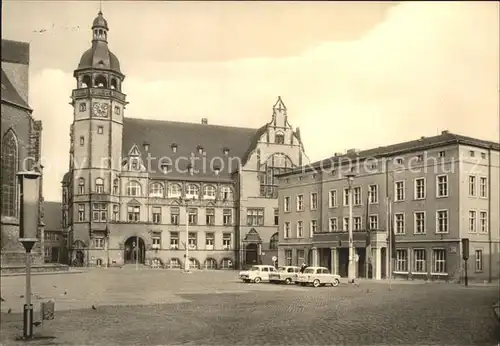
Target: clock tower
(96, 135)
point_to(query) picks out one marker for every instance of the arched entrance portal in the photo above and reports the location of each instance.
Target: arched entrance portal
(135, 250)
(251, 254)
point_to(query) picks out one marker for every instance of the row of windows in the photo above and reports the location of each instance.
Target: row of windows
(419, 224)
(255, 216)
(483, 186)
(51, 236)
(176, 243)
(134, 189)
(418, 263)
(419, 260)
(209, 263)
(299, 260)
(420, 188)
(100, 214)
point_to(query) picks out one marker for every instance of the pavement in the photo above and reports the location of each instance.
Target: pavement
(162, 307)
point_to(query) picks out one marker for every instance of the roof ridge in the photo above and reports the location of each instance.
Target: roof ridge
(192, 123)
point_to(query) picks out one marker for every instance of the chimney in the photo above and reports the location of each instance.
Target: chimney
(204, 121)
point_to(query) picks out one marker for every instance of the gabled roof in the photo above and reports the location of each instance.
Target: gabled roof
(10, 94)
(15, 52)
(188, 137)
(444, 139)
(52, 216)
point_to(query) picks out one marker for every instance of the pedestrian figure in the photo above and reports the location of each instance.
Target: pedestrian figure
(303, 267)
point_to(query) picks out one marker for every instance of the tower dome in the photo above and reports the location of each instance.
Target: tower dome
(99, 56)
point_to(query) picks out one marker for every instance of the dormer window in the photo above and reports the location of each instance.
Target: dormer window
(165, 167)
(199, 148)
(225, 151)
(174, 147)
(216, 170)
(134, 164)
(145, 145)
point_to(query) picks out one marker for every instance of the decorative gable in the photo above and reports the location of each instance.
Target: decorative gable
(253, 236)
(134, 151)
(134, 202)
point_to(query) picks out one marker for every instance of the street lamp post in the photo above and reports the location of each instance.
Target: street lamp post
(106, 245)
(351, 269)
(28, 224)
(186, 246)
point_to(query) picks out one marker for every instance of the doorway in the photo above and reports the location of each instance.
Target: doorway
(251, 254)
(343, 254)
(135, 250)
(383, 267)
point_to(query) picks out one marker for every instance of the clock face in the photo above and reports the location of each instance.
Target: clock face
(100, 110)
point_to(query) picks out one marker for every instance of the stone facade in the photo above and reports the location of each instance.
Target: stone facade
(440, 189)
(145, 190)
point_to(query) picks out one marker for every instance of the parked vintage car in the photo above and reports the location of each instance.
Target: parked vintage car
(285, 274)
(318, 276)
(257, 273)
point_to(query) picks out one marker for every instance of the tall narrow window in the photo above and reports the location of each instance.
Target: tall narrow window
(210, 216)
(81, 212)
(81, 186)
(156, 215)
(227, 217)
(115, 187)
(9, 170)
(99, 185)
(193, 216)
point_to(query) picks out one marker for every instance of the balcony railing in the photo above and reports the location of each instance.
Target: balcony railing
(98, 92)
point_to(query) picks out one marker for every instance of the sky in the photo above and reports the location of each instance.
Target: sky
(352, 74)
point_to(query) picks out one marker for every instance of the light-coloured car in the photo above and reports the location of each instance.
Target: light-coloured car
(257, 273)
(318, 276)
(285, 274)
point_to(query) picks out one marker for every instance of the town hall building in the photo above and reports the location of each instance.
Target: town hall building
(142, 190)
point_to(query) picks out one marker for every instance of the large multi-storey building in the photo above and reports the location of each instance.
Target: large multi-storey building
(440, 189)
(144, 190)
(21, 147)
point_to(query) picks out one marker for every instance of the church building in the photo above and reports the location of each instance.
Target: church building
(20, 151)
(142, 190)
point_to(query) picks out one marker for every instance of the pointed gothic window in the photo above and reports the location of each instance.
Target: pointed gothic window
(9, 169)
(276, 164)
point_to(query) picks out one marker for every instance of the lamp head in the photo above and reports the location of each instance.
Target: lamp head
(350, 177)
(29, 174)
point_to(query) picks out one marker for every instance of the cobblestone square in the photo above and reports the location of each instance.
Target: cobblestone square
(151, 307)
